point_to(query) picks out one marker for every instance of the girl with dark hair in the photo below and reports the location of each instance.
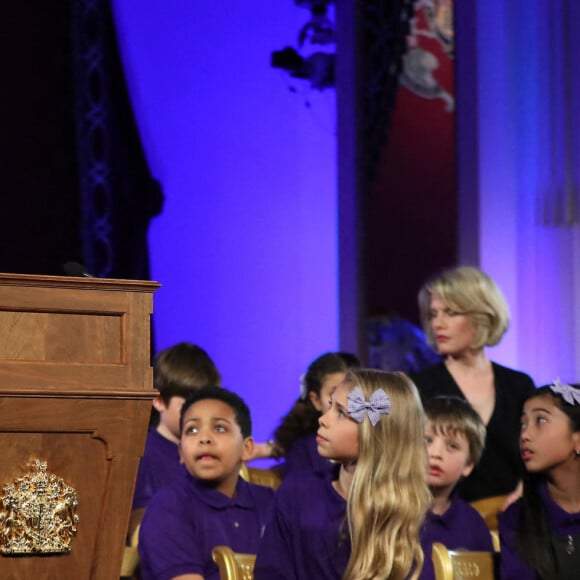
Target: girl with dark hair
(295, 436)
(540, 533)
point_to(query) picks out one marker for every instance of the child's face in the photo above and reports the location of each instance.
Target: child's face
(328, 385)
(212, 447)
(169, 416)
(448, 456)
(546, 438)
(337, 436)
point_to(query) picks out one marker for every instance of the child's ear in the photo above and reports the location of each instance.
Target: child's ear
(159, 404)
(467, 469)
(180, 454)
(576, 439)
(248, 452)
(315, 400)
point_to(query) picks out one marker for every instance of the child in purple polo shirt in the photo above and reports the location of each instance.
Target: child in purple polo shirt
(365, 522)
(540, 533)
(455, 438)
(178, 371)
(208, 504)
(295, 436)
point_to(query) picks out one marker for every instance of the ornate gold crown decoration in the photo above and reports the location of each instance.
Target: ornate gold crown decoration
(37, 513)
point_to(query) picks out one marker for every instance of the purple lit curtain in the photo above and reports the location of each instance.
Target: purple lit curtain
(559, 195)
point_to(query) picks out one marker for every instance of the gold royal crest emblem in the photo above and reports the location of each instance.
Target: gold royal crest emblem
(37, 513)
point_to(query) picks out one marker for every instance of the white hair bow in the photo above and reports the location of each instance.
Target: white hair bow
(377, 405)
(569, 393)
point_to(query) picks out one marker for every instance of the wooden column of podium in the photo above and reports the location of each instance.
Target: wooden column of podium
(75, 398)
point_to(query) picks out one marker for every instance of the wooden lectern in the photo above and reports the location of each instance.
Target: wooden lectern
(75, 398)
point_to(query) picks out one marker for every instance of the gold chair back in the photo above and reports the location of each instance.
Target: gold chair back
(488, 508)
(233, 565)
(131, 556)
(462, 565)
(267, 477)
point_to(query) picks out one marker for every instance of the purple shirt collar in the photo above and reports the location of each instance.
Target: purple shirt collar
(449, 517)
(217, 500)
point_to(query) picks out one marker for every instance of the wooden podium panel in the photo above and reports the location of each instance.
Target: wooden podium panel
(63, 333)
(75, 394)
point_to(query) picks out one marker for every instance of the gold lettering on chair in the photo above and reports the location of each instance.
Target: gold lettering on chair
(247, 571)
(466, 569)
(37, 513)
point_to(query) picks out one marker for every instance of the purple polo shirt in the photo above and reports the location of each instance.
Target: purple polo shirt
(560, 522)
(307, 537)
(459, 528)
(303, 455)
(158, 467)
(185, 520)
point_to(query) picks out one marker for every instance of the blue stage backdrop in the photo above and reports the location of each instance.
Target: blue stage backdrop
(246, 245)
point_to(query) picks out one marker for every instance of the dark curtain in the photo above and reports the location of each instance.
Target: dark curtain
(385, 25)
(39, 227)
(118, 194)
(75, 182)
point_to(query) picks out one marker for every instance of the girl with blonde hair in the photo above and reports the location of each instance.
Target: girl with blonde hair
(364, 523)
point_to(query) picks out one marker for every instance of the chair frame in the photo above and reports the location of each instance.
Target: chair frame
(267, 477)
(233, 565)
(489, 508)
(131, 556)
(462, 565)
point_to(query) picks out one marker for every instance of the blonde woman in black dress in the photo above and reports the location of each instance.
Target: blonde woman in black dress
(463, 311)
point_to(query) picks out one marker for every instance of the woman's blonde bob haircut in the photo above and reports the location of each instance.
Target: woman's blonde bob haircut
(389, 496)
(471, 292)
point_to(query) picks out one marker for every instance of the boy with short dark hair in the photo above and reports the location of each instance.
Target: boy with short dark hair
(208, 505)
(455, 438)
(177, 372)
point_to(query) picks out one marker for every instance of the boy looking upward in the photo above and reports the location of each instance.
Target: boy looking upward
(208, 504)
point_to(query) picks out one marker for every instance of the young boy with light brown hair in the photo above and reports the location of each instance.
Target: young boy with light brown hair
(455, 438)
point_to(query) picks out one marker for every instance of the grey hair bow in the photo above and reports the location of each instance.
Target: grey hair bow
(568, 392)
(377, 405)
